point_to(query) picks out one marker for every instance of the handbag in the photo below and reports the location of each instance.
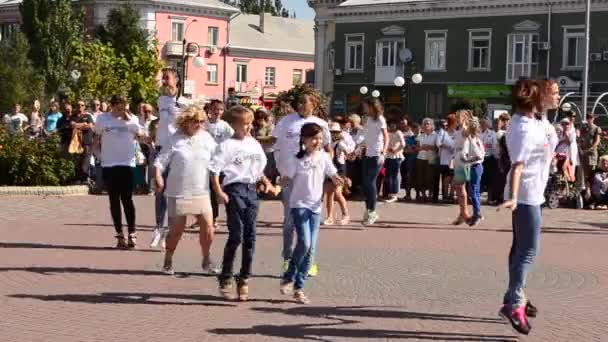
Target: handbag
(75, 146)
(476, 152)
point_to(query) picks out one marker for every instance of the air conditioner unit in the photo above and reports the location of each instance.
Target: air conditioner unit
(595, 56)
(605, 53)
(338, 72)
(566, 82)
(212, 49)
(544, 46)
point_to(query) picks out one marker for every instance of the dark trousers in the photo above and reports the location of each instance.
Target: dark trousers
(119, 183)
(242, 212)
(371, 170)
(354, 170)
(490, 166)
(83, 163)
(436, 180)
(391, 178)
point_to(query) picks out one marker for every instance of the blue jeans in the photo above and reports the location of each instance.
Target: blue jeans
(371, 170)
(307, 227)
(288, 226)
(160, 204)
(391, 179)
(475, 188)
(241, 213)
(527, 222)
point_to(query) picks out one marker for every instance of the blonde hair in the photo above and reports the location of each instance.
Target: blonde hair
(239, 113)
(473, 128)
(604, 157)
(190, 114)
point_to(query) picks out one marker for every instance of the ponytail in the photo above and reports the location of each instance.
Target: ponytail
(309, 130)
(302, 151)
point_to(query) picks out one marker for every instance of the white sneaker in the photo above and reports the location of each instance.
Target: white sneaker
(158, 236)
(372, 218)
(391, 199)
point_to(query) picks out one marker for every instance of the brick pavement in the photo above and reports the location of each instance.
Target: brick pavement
(411, 277)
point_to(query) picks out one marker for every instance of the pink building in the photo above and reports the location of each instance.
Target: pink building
(257, 55)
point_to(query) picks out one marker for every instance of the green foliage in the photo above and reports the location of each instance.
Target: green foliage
(32, 162)
(287, 101)
(478, 106)
(50, 27)
(258, 6)
(122, 30)
(19, 83)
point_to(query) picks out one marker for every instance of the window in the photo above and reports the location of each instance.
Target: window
(480, 47)
(241, 73)
(297, 77)
(435, 51)
(212, 36)
(387, 52)
(269, 76)
(177, 31)
(574, 47)
(212, 73)
(354, 52)
(522, 56)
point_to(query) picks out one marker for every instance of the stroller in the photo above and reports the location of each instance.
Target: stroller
(561, 186)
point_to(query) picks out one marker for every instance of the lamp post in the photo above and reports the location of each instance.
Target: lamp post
(198, 61)
(400, 81)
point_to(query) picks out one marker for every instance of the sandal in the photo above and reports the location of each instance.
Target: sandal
(300, 297)
(460, 220)
(120, 242)
(328, 222)
(345, 220)
(243, 290)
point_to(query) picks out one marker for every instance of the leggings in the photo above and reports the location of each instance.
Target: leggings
(119, 182)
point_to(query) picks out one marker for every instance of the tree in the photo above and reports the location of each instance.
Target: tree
(19, 82)
(51, 27)
(274, 7)
(122, 29)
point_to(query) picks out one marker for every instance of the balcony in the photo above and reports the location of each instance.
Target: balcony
(385, 75)
(174, 49)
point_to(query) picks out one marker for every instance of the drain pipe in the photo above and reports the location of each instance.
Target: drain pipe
(226, 49)
(549, 15)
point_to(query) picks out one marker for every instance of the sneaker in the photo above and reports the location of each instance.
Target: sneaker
(243, 290)
(372, 218)
(300, 297)
(286, 286)
(313, 271)
(286, 265)
(391, 199)
(474, 221)
(531, 310)
(168, 266)
(345, 220)
(328, 222)
(226, 289)
(158, 235)
(209, 267)
(120, 242)
(132, 242)
(517, 318)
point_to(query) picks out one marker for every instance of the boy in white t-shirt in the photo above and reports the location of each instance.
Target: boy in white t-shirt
(242, 161)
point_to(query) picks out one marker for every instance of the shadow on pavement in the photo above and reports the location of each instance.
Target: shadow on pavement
(374, 312)
(31, 245)
(324, 332)
(151, 229)
(142, 298)
(88, 270)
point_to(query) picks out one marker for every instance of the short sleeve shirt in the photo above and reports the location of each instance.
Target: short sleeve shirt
(307, 176)
(373, 136)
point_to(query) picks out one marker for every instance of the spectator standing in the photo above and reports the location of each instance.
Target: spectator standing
(15, 121)
(488, 138)
(52, 118)
(590, 140)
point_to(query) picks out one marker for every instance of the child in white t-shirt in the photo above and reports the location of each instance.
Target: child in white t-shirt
(306, 173)
(335, 194)
(242, 161)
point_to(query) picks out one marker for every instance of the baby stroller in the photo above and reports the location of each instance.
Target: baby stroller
(561, 186)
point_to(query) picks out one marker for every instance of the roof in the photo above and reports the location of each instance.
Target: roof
(280, 34)
(349, 3)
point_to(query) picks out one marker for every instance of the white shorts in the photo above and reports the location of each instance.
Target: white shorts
(195, 205)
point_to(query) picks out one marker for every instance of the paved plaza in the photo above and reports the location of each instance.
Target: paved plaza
(411, 277)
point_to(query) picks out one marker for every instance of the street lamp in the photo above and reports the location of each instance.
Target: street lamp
(198, 61)
(363, 90)
(401, 81)
(375, 94)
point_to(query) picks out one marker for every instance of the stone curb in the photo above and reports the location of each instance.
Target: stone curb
(76, 190)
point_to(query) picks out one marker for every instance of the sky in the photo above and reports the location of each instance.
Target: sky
(301, 8)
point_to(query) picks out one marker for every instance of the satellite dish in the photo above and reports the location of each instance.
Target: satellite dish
(405, 55)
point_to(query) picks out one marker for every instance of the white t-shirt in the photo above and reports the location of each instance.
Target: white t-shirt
(396, 141)
(117, 139)
(307, 176)
(15, 122)
(527, 142)
(488, 138)
(428, 140)
(188, 160)
(571, 150)
(349, 141)
(472, 148)
(446, 147)
(287, 133)
(341, 149)
(168, 109)
(373, 137)
(241, 161)
(220, 130)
